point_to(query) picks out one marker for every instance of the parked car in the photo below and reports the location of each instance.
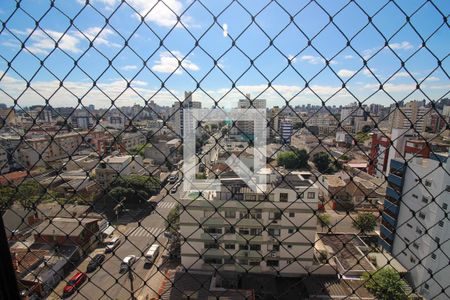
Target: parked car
(127, 263)
(74, 283)
(95, 262)
(152, 254)
(172, 179)
(173, 190)
(112, 244)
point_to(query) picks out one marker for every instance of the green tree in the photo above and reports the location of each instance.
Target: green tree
(365, 222)
(173, 220)
(366, 128)
(324, 220)
(139, 150)
(28, 194)
(298, 125)
(297, 159)
(386, 284)
(322, 162)
(134, 187)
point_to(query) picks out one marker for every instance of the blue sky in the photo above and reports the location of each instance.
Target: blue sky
(287, 63)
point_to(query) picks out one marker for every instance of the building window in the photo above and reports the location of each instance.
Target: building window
(418, 230)
(230, 246)
(213, 230)
(444, 206)
(437, 240)
(283, 197)
(276, 247)
(433, 255)
(274, 232)
(422, 215)
(407, 240)
(275, 215)
(408, 225)
(244, 231)
(230, 214)
(229, 261)
(217, 261)
(289, 246)
(415, 196)
(427, 183)
(291, 230)
(291, 215)
(272, 263)
(311, 195)
(230, 230)
(415, 246)
(413, 260)
(424, 199)
(426, 286)
(211, 245)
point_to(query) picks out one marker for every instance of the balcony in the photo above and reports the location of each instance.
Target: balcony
(386, 233)
(392, 193)
(394, 209)
(395, 179)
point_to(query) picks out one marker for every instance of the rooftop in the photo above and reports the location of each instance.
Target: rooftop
(63, 226)
(345, 248)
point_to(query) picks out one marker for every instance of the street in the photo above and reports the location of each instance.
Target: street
(136, 237)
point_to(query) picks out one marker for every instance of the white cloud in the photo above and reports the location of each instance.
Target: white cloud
(169, 63)
(163, 13)
(129, 67)
(312, 59)
(348, 57)
(402, 74)
(98, 36)
(225, 29)
(43, 42)
(431, 78)
(345, 73)
(367, 72)
(405, 45)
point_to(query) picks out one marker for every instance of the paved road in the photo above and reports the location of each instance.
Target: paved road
(106, 282)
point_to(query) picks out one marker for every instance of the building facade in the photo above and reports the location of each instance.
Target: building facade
(247, 231)
(415, 227)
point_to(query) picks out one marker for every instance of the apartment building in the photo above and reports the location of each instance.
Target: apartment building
(243, 128)
(112, 166)
(178, 115)
(286, 131)
(266, 232)
(412, 113)
(415, 227)
(323, 124)
(401, 143)
(41, 150)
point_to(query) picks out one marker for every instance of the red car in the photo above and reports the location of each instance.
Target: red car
(74, 283)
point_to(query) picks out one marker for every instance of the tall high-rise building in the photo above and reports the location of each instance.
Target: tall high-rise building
(286, 130)
(413, 113)
(415, 227)
(179, 107)
(244, 128)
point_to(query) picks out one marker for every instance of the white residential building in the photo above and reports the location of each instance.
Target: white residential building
(113, 166)
(264, 232)
(178, 112)
(420, 221)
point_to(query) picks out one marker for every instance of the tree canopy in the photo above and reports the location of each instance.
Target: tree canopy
(324, 163)
(28, 193)
(386, 284)
(134, 187)
(365, 222)
(296, 159)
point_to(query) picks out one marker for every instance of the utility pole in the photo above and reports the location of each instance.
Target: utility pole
(131, 277)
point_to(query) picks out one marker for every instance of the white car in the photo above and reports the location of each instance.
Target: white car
(112, 244)
(127, 262)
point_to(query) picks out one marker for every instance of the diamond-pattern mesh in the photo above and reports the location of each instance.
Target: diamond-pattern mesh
(356, 205)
